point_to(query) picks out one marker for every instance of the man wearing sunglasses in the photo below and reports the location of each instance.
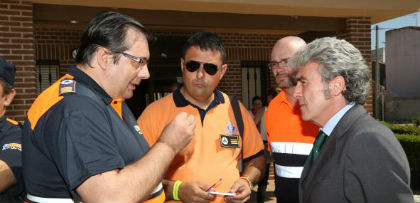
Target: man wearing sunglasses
(214, 153)
(289, 137)
(81, 141)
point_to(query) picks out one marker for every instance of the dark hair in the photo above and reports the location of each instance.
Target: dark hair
(206, 41)
(107, 29)
(256, 98)
(7, 88)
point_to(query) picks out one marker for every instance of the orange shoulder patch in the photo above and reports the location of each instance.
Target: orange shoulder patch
(45, 101)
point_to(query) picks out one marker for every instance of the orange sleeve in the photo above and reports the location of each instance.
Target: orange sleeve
(267, 120)
(149, 125)
(252, 142)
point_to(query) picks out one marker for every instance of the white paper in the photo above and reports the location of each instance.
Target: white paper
(222, 193)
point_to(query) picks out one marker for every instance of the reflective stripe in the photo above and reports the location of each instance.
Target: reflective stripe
(157, 196)
(157, 189)
(48, 200)
(288, 171)
(291, 147)
(158, 199)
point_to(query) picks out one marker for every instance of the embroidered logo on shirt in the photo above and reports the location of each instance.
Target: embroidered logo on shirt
(137, 128)
(230, 140)
(67, 86)
(230, 128)
(13, 146)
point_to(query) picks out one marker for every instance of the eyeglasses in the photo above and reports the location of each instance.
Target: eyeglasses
(277, 64)
(193, 66)
(142, 61)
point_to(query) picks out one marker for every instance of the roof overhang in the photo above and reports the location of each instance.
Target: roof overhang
(378, 10)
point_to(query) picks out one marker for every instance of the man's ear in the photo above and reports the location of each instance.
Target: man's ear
(223, 70)
(337, 85)
(9, 97)
(182, 64)
(103, 57)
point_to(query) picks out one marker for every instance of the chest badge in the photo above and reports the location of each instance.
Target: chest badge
(12, 146)
(230, 140)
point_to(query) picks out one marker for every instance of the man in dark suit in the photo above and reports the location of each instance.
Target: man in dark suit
(354, 158)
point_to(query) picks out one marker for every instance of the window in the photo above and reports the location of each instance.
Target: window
(47, 73)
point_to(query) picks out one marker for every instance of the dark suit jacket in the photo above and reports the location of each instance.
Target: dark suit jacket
(361, 161)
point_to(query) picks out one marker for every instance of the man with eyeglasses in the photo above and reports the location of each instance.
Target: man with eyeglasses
(210, 162)
(290, 138)
(81, 141)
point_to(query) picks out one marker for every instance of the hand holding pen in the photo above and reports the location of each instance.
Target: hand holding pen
(217, 183)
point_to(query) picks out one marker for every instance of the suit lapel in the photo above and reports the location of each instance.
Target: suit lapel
(314, 172)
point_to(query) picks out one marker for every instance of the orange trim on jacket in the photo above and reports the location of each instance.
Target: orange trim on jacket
(117, 106)
(49, 97)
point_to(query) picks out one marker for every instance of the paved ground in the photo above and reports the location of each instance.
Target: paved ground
(269, 195)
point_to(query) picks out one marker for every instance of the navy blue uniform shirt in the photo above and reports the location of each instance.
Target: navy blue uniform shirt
(68, 140)
(11, 154)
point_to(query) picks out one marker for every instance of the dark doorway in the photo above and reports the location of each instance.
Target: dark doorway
(164, 68)
(254, 80)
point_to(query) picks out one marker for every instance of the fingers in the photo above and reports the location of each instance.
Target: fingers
(186, 120)
(191, 123)
(242, 191)
(190, 118)
(181, 116)
(202, 191)
(195, 192)
(182, 128)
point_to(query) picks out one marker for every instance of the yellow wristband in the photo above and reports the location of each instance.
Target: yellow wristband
(247, 180)
(175, 190)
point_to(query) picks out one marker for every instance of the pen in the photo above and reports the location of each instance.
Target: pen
(215, 184)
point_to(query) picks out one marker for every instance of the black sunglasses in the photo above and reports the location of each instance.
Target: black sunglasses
(193, 66)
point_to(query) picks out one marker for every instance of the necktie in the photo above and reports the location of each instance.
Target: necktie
(319, 141)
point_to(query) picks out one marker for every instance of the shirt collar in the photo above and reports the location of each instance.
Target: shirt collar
(86, 80)
(330, 125)
(180, 100)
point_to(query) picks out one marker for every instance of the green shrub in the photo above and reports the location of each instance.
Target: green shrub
(416, 121)
(411, 145)
(402, 129)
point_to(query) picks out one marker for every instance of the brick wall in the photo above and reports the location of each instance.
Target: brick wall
(239, 47)
(245, 47)
(17, 46)
(56, 44)
(19, 42)
(358, 33)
